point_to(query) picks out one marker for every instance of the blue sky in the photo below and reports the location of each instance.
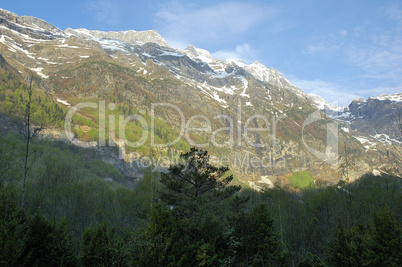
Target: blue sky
(340, 49)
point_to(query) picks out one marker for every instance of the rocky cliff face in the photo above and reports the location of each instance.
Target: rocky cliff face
(376, 116)
(375, 123)
(250, 117)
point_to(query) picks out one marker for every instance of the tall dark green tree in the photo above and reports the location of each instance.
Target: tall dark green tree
(311, 260)
(195, 182)
(345, 247)
(189, 226)
(13, 228)
(48, 244)
(260, 240)
(374, 243)
(383, 241)
(101, 246)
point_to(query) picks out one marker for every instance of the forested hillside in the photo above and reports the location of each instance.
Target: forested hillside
(192, 215)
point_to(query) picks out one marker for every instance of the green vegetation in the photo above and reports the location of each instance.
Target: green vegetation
(374, 243)
(102, 246)
(45, 111)
(191, 215)
(302, 180)
(13, 94)
(199, 221)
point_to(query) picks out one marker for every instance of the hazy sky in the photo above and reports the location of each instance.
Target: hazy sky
(340, 49)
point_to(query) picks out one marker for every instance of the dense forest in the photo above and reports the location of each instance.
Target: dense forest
(192, 215)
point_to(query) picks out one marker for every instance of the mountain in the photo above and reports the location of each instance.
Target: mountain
(143, 93)
(375, 123)
(377, 117)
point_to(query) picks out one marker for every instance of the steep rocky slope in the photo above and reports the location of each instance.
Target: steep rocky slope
(248, 116)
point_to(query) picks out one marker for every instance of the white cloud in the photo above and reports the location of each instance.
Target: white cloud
(328, 43)
(337, 94)
(244, 52)
(104, 11)
(193, 24)
(376, 91)
(374, 52)
(379, 63)
(395, 13)
(331, 92)
(343, 32)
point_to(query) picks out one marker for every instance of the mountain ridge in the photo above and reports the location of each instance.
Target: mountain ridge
(135, 73)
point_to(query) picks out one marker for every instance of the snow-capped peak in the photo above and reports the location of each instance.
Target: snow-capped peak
(237, 62)
(259, 71)
(81, 32)
(317, 101)
(322, 104)
(130, 36)
(397, 97)
(198, 54)
(256, 69)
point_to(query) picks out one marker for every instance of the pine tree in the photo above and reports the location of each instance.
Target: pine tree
(261, 244)
(339, 251)
(384, 240)
(196, 182)
(48, 244)
(311, 260)
(101, 246)
(13, 228)
(376, 243)
(187, 227)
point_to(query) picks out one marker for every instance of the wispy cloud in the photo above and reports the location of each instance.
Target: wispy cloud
(376, 91)
(244, 52)
(374, 51)
(331, 92)
(190, 23)
(337, 94)
(328, 43)
(395, 13)
(104, 11)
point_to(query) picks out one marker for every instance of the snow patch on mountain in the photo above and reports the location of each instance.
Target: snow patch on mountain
(385, 139)
(130, 36)
(323, 105)
(256, 69)
(64, 102)
(245, 86)
(397, 97)
(198, 54)
(14, 47)
(114, 45)
(39, 72)
(368, 145)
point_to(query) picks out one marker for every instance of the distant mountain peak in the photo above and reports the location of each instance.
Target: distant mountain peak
(32, 23)
(322, 104)
(198, 54)
(358, 100)
(4, 13)
(397, 97)
(130, 36)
